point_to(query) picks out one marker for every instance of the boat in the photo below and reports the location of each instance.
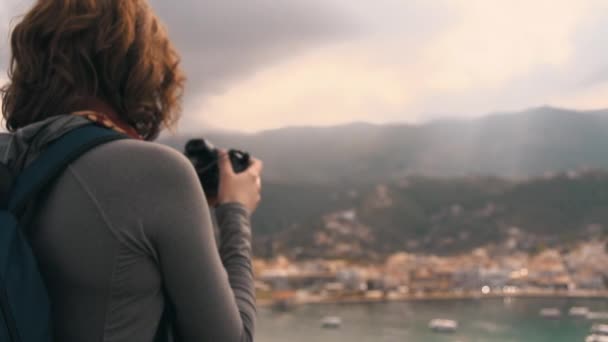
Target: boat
(600, 329)
(443, 325)
(331, 322)
(597, 315)
(550, 313)
(599, 333)
(596, 338)
(579, 311)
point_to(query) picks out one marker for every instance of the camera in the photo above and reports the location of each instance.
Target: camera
(204, 156)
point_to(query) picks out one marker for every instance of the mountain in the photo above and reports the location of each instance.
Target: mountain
(430, 215)
(514, 145)
(363, 191)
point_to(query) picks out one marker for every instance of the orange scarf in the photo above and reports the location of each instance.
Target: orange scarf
(102, 114)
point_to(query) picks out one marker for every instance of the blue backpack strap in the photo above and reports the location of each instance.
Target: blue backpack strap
(6, 182)
(36, 176)
(25, 314)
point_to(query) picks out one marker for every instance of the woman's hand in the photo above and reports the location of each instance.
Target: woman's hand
(244, 188)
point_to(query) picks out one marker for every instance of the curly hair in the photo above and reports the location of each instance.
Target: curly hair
(114, 50)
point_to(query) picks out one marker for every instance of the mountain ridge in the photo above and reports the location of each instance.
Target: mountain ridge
(364, 191)
(513, 145)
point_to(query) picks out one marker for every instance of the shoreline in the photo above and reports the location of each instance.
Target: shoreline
(438, 297)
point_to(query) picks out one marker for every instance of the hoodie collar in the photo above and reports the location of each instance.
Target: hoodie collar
(20, 148)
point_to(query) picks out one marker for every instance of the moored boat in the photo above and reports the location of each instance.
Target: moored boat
(443, 325)
(550, 313)
(579, 311)
(597, 315)
(332, 322)
(596, 338)
(600, 329)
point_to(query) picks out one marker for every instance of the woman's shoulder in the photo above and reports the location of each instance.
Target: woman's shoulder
(140, 150)
(142, 158)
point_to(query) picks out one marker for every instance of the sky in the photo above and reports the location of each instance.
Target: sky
(265, 64)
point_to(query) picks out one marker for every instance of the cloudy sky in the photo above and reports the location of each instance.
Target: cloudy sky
(262, 64)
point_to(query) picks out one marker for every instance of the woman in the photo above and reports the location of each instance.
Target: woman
(124, 237)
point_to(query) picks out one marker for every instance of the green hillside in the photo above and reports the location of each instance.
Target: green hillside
(442, 187)
(432, 215)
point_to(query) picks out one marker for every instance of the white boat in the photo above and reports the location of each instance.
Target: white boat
(597, 315)
(600, 329)
(331, 322)
(579, 311)
(596, 338)
(443, 325)
(550, 313)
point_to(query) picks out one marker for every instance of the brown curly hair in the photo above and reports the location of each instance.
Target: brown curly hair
(114, 50)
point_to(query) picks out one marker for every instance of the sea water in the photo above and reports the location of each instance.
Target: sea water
(480, 320)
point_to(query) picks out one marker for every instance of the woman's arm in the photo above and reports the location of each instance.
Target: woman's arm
(235, 252)
(212, 293)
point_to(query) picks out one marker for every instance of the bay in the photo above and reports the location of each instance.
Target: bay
(481, 320)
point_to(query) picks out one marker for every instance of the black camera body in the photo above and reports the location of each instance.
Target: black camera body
(204, 156)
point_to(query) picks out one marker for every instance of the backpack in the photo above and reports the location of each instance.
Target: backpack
(25, 314)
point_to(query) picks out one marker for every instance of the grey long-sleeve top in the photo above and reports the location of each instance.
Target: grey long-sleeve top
(126, 231)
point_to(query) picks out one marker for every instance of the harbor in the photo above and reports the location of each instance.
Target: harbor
(479, 320)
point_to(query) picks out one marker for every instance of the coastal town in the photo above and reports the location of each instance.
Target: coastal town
(483, 272)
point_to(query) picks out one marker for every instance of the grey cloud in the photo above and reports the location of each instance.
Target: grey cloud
(591, 55)
(587, 67)
(227, 39)
(222, 40)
